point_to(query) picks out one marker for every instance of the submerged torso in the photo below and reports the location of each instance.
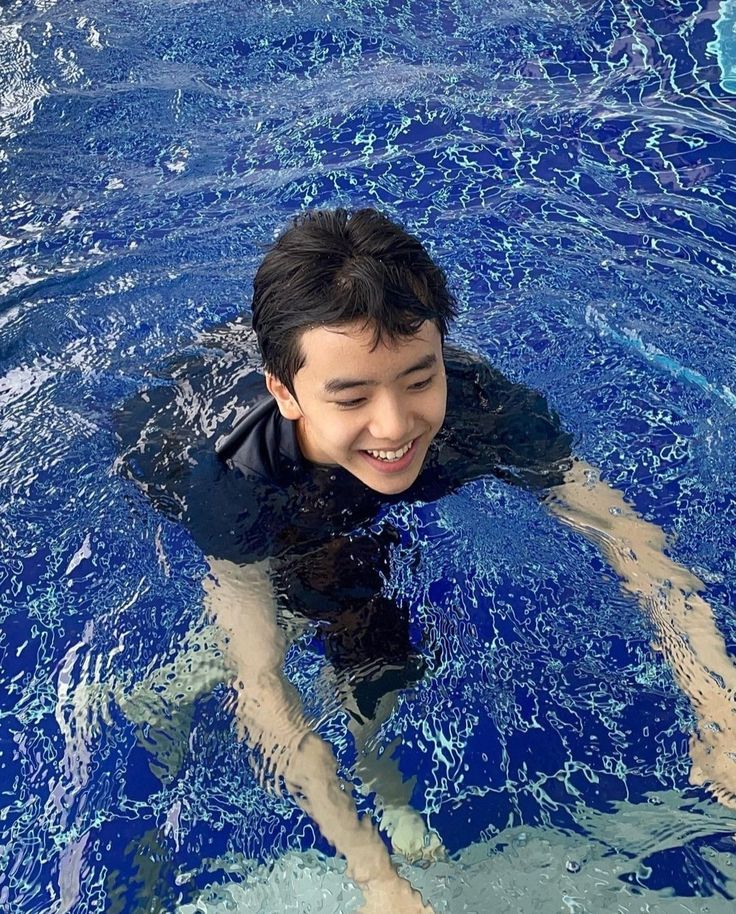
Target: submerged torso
(325, 534)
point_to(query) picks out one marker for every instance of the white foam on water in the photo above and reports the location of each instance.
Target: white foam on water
(521, 871)
(724, 46)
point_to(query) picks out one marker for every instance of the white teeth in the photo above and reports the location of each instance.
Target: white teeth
(391, 455)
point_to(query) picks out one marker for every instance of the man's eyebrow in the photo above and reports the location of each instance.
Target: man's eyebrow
(338, 385)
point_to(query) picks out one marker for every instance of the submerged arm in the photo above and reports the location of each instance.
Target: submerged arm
(686, 628)
(270, 717)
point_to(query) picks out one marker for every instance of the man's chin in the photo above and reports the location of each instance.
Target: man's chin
(386, 484)
(395, 489)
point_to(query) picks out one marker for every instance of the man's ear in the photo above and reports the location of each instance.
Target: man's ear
(285, 400)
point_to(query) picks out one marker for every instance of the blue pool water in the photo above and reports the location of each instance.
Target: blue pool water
(571, 166)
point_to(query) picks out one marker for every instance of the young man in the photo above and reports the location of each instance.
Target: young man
(364, 404)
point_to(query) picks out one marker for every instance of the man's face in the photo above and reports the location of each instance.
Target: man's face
(372, 411)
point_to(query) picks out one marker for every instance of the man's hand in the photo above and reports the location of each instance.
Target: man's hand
(410, 836)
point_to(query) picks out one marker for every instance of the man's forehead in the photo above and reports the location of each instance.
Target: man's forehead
(342, 352)
(362, 335)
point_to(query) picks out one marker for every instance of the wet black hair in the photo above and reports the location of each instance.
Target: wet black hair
(332, 267)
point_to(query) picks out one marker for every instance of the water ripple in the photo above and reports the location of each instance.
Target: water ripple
(571, 166)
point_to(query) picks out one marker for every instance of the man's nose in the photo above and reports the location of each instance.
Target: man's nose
(390, 421)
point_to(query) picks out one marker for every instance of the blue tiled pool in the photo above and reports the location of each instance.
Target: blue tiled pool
(572, 167)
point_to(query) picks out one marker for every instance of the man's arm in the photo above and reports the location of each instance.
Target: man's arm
(270, 717)
(686, 629)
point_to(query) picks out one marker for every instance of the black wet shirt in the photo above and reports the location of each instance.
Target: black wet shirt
(246, 493)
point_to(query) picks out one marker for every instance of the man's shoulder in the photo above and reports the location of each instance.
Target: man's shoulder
(473, 372)
(498, 426)
(261, 444)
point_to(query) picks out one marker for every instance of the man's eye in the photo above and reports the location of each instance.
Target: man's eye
(350, 404)
(420, 385)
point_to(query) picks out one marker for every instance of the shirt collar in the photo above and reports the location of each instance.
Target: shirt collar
(289, 445)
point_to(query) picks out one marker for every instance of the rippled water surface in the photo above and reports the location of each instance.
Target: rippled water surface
(571, 165)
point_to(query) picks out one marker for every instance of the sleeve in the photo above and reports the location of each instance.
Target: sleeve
(528, 442)
(506, 429)
(167, 437)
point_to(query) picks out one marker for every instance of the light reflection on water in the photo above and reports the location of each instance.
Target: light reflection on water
(571, 167)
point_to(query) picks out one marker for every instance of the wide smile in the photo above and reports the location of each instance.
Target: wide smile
(391, 461)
